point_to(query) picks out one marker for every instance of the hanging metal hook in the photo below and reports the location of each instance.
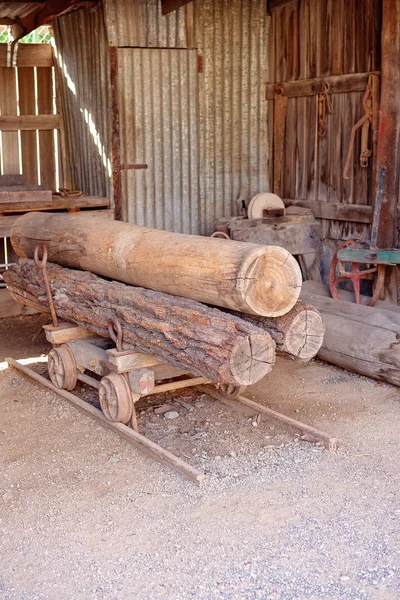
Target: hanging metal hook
(42, 265)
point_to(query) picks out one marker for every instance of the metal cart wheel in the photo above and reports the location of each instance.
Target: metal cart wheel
(115, 398)
(62, 368)
(231, 391)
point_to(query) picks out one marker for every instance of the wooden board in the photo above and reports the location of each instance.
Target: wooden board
(12, 179)
(34, 187)
(46, 138)
(65, 332)
(357, 213)
(29, 122)
(339, 84)
(27, 105)
(55, 203)
(8, 107)
(29, 55)
(16, 198)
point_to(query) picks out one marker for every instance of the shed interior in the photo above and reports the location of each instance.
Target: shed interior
(175, 114)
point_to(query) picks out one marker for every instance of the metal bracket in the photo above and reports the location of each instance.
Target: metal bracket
(117, 168)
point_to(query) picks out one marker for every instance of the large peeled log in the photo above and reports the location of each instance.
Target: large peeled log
(364, 339)
(179, 331)
(250, 278)
(299, 333)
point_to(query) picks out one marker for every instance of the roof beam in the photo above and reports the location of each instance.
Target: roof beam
(45, 13)
(170, 5)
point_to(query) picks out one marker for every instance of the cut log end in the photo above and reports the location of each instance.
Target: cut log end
(273, 283)
(305, 335)
(252, 358)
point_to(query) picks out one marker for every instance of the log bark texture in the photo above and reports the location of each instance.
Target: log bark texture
(179, 331)
(299, 333)
(360, 338)
(250, 278)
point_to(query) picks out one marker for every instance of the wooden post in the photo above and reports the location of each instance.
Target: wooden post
(389, 131)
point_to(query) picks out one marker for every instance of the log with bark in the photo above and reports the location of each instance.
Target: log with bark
(250, 278)
(360, 338)
(179, 331)
(299, 333)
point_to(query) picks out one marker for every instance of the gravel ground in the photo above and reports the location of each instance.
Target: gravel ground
(83, 515)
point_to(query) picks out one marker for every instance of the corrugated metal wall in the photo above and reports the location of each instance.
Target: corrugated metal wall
(159, 126)
(232, 39)
(212, 129)
(139, 23)
(83, 89)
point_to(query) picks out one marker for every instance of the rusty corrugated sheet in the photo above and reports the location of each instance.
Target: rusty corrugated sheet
(139, 23)
(159, 127)
(82, 63)
(232, 40)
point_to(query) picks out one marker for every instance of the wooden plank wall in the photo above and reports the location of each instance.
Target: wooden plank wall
(319, 39)
(27, 121)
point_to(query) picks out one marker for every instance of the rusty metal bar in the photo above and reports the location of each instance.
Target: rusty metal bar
(42, 264)
(136, 439)
(115, 132)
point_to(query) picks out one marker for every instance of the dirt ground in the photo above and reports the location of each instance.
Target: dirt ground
(83, 515)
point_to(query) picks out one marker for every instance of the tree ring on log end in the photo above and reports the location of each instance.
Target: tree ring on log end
(305, 335)
(115, 398)
(273, 283)
(61, 366)
(252, 358)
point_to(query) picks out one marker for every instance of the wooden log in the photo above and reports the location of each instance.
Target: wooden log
(178, 331)
(316, 287)
(360, 338)
(299, 333)
(250, 278)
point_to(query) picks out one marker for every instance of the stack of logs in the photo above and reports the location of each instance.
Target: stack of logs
(162, 287)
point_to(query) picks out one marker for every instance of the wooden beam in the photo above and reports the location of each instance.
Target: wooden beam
(389, 123)
(30, 55)
(15, 198)
(329, 442)
(29, 122)
(388, 153)
(338, 84)
(57, 203)
(42, 15)
(7, 21)
(168, 6)
(335, 211)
